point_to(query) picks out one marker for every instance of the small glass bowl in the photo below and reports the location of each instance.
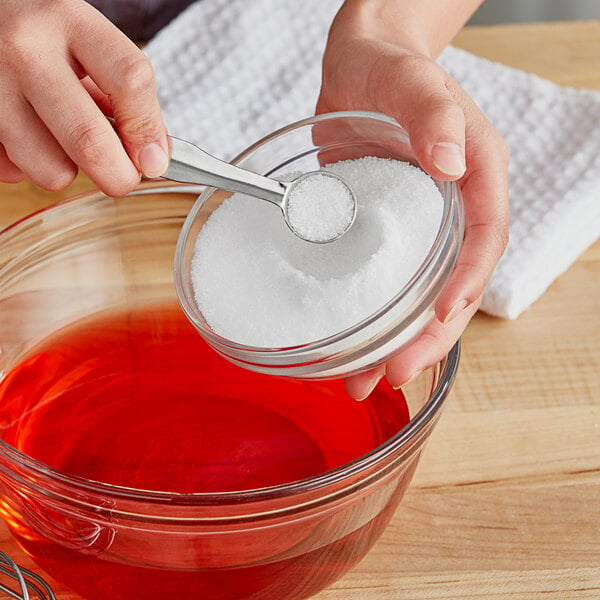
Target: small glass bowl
(305, 146)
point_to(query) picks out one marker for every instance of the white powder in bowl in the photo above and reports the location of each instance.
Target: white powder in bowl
(256, 283)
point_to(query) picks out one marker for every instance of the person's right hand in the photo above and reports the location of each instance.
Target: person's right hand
(378, 58)
(64, 68)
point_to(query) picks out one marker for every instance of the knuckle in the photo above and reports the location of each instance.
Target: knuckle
(500, 226)
(497, 240)
(491, 138)
(88, 141)
(136, 81)
(445, 106)
(28, 31)
(476, 271)
(135, 74)
(17, 52)
(141, 128)
(501, 233)
(414, 63)
(434, 89)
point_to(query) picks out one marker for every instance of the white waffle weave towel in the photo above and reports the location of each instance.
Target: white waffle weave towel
(231, 71)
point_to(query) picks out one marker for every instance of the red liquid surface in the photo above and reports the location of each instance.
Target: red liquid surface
(139, 400)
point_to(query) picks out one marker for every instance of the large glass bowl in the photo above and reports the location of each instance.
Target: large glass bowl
(305, 146)
(95, 255)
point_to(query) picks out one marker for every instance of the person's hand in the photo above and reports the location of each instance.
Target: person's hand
(367, 66)
(63, 69)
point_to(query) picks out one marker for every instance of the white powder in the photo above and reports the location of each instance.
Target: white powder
(320, 207)
(257, 283)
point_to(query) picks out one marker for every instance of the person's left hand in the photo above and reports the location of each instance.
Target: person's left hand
(452, 140)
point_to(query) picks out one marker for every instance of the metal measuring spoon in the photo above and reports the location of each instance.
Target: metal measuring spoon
(190, 164)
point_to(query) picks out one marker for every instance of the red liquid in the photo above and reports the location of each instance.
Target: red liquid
(140, 400)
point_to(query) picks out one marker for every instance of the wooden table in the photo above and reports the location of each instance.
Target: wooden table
(506, 501)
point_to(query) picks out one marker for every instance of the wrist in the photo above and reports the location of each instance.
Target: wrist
(388, 22)
(421, 27)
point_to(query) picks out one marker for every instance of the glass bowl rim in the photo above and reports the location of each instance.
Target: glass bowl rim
(451, 191)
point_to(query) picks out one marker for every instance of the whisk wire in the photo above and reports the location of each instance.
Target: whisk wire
(26, 580)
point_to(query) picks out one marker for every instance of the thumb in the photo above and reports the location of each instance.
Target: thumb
(417, 93)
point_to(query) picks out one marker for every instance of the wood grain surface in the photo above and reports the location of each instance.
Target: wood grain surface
(506, 501)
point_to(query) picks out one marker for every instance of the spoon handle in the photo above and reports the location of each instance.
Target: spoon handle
(191, 164)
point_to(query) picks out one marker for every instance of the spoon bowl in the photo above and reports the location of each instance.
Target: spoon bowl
(316, 217)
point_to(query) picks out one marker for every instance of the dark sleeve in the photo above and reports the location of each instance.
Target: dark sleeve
(140, 19)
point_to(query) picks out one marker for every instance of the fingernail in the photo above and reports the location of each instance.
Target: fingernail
(455, 310)
(370, 388)
(153, 160)
(449, 158)
(413, 376)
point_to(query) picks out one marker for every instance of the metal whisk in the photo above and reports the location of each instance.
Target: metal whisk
(27, 582)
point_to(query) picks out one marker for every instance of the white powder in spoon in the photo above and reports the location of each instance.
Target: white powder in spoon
(320, 207)
(257, 283)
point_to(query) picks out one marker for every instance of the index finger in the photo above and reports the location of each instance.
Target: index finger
(485, 195)
(122, 72)
(75, 121)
